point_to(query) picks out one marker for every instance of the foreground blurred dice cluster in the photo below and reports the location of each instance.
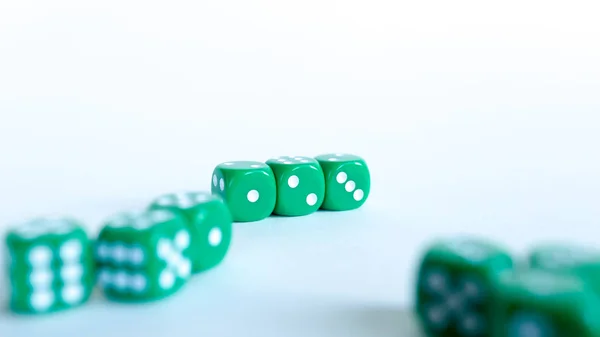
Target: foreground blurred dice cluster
(467, 287)
(53, 264)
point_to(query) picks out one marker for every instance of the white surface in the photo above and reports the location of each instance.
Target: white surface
(294, 277)
(473, 117)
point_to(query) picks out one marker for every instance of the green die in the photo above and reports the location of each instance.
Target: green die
(347, 181)
(454, 286)
(143, 256)
(568, 259)
(300, 185)
(209, 222)
(248, 188)
(50, 266)
(544, 304)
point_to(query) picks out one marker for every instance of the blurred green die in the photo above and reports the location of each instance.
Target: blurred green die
(454, 285)
(544, 304)
(300, 185)
(143, 256)
(50, 265)
(567, 258)
(209, 222)
(248, 188)
(347, 181)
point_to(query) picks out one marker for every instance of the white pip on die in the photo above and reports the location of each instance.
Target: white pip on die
(143, 256)
(50, 265)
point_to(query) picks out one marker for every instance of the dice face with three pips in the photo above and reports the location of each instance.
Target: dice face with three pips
(247, 187)
(143, 256)
(535, 302)
(209, 222)
(50, 265)
(455, 283)
(347, 181)
(300, 185)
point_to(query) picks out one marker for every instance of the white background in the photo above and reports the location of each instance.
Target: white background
(475, 117)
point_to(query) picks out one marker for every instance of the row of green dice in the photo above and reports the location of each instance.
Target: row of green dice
(292, 185)
(469, 287)
(136, 257)
(144, 256)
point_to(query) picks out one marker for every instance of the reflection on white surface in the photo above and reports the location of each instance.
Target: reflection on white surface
(282, 276)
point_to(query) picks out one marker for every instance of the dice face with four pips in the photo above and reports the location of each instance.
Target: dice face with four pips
(247, 187)
(50, 265)
(544, 304)
(209, 222)
(143, 256)
(347, 181)
(300, 185)
(454, 286)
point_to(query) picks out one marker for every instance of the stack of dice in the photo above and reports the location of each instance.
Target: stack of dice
(149, 255)
(468, 286)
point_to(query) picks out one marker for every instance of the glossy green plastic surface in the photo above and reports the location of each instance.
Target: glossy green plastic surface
(209, 221)
(454, 286)
(50, 266)
(300, 185)
(347, 181)
(247, 187)
(566, 258)
(143, 256)
(545, 304)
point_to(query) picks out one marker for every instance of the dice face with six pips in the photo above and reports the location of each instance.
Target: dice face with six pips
(454, 286)
(300, 185)
(247, 187)
(50, 265)
(347, 181)
(143, 256)
(209, 222)
(544, 304)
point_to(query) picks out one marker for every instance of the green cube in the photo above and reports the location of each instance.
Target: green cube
(300, 185)
(455, 281)
(50, 265)
(248, 188)
(567, 258)
(347, 181)
(544, 304)
(143, 256)
(209, 222)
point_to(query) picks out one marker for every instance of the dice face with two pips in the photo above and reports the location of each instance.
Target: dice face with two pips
(454, 286)
(209, 222)
(300, 185)
(544, 304)
(347, 181)
(50, 265)
(247, 187)
(143, 256)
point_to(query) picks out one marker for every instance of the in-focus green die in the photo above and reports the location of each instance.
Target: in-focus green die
(347, 181)
(544, 304)
(143, 256)
(50, 267)
(248, 188)
(209, 222)
(454, 286)
(300, 185)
